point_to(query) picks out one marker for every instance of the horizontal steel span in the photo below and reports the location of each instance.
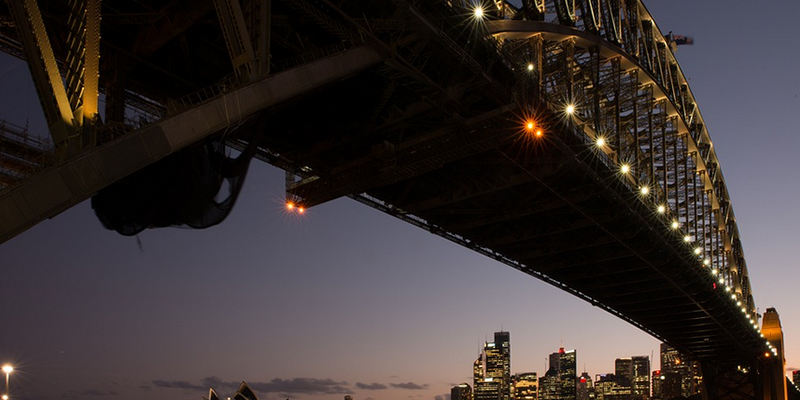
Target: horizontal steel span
(560, 138)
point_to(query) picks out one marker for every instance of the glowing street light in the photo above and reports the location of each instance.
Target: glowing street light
(530, 66)
(7, 369)
(600, 142)
(478, 12)
(625, 168)
(570, 109)
(661, 209)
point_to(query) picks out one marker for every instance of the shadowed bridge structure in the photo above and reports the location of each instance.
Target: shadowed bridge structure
(558, 137)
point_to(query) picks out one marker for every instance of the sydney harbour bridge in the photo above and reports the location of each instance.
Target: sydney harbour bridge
(558, 137)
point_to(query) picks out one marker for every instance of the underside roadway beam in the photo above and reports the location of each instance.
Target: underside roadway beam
(54, 190)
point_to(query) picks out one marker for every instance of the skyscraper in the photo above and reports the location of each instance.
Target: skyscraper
(492, 370)
(657, 384)
(679, 374)
(559, 383)
(640, 377)
(526, 386)
(585, 390)
(462, 391)
(622, 371)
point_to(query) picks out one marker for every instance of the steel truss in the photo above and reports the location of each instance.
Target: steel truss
(609, 61)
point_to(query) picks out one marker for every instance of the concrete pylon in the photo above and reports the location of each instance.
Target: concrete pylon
(773, 369)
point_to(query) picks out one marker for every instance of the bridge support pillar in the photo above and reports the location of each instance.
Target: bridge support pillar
(729, 384)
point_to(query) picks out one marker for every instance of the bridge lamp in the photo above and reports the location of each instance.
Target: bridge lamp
(570, 109)
(301, 210)
(733, 297)
(530, 67)
(644, 190)
(289, 205)
(714, 271)
(600, 142)
(625, 168)
(738, 303)
(661, 209)
(478, 12)
(697, 250)
(728, 289)
(687, 238)
(721, 280)
(675, 224)
(706, 262)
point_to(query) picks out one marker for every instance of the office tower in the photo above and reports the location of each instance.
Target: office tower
(462, 391)
(657, 384)
(502, 341)
(526, 386)
(492, 370)
(585, 390)
(606, 387)
(622, 371)
(681, 375)
(640, 377)
(559, 383)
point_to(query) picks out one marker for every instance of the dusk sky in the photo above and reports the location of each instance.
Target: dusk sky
(346, 299)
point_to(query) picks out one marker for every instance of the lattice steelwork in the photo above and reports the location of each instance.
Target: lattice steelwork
(632, 100)
(415, 107)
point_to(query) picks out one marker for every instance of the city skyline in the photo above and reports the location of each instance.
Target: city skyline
(349, 299)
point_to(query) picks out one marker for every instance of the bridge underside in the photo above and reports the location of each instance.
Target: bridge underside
(423, 126)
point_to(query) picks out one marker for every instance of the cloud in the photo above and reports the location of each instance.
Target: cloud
(178, 385)
(409, 385)
(218, 384)
(370, 386)
(312, 386)
(301, 385)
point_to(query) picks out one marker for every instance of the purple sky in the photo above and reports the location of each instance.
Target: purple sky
(347, 299)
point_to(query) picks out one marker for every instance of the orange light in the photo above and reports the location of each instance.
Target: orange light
(539, 133)
(301, 210)
(529, 125)
(766, 354)
(289, 205)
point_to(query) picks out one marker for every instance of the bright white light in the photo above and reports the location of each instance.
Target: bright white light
(8, 368)
(675, 224)
(661, 209)
(697, 250)
(625, 168)
(728, 289)
(687, 238)
(645, 190)
(600, 142)
(714, 271)
(478, 12)
(733, 296)
(530, 67)
(570, 109)
(706, 262)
